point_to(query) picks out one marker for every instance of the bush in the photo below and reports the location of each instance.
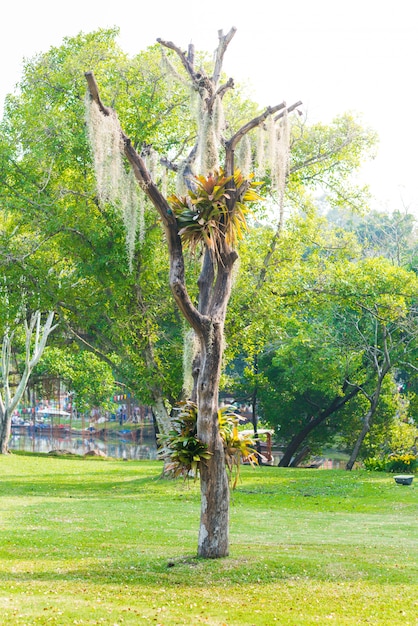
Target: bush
(402, 463)
(375, 464)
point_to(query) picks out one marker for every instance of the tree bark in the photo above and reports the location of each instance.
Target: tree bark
(5, 432)
(215, 290)
(213, 541)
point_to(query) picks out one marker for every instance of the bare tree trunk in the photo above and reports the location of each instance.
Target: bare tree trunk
(39, 335)
(213, 541)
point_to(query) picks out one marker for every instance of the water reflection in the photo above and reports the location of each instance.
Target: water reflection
(136, 446)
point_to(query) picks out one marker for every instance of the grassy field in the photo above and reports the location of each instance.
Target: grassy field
(108, 542)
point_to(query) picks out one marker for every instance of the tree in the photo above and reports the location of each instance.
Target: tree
(88, 377)
(387, 334)
(305, 360)
(392, 235)
(371, 331)
(211, 215)
(127, 318)
(35, 338)
(121, 314)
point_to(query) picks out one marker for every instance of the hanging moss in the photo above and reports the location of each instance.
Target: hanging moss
(114, 183)
(260, 152)
(104, 135)
(244, 158)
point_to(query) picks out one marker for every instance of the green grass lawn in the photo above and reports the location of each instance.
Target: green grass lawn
(109, 542)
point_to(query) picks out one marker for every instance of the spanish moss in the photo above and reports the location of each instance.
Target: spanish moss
(114, 184)
(244, 159)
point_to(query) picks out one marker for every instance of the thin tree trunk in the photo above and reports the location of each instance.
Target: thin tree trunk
(374, 401)
(358, 444)
(301, 456)
(8, 403)
(300, 437)
(5, 432)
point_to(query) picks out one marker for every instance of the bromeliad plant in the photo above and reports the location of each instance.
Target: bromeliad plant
(183, 452)
(237, 446)
(203, 215)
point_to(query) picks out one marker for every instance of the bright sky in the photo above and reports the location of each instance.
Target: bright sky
(334, 55)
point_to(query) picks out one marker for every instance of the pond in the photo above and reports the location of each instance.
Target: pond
(131, 445)
(138, 444)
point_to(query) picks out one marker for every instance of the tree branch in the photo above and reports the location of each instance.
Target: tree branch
(185, 60)
(232, 143)
(177, 271)
(220, 52)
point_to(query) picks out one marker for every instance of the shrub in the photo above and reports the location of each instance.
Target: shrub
(375, 464)
(402, 463)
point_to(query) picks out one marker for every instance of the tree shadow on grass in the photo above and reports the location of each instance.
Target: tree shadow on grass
(190, 571)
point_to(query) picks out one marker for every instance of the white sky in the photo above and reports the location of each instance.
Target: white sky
(334, 55)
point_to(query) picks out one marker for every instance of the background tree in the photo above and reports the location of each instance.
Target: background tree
(106, 306)
(35, 338)
(88, 377)
(311, 364)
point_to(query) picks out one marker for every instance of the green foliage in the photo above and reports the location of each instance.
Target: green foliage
(183, 452)
(72, 248)
(310, 314)
(375, 464)
(394, 463)
(88, 376)
(381, 234)
(394, 447)
(402, 463)
(323, 159)
(402, 437)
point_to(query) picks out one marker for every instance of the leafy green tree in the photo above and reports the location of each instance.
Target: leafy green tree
(324, 158)
(392, 235)
(88, 377)
(302, 330)
(105, 305)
